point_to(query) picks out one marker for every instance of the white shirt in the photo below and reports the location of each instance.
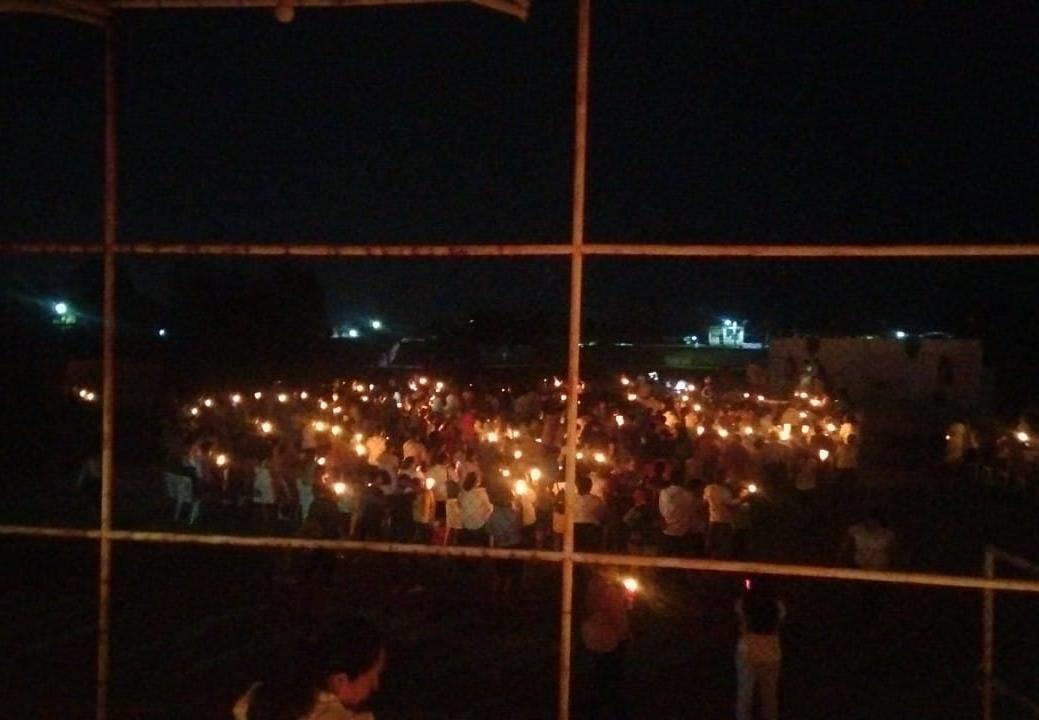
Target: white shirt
(589, 509)
(677, 509)
(719, 503)
(476, 508)
(263, 486)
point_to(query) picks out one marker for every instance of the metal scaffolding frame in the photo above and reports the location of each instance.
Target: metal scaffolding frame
(101, 12)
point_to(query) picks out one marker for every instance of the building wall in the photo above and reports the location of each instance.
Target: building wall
(885, 369)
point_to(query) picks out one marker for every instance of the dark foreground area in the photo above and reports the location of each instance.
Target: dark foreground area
(192, 627)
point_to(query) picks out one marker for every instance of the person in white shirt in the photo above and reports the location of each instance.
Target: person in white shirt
(589, 516)
(720, 502)
(476, 509)
(677, 512)
(758, 653)
(870, 544)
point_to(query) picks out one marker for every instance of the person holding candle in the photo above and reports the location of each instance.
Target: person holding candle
(605, 633)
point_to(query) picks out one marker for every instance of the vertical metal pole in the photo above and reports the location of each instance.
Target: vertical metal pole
(988, 633)
(574, 369)
(108, 381)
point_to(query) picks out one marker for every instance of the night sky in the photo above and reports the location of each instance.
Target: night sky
(709, 122)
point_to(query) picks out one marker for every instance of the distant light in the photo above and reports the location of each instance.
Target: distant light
(266, 426)
(339, 488)
(1022, 436)
(353, 333)
(303, 395)
(619, 419)
(900, 334)
(283, 397)
(599, 457)
(236, 398)
(823, 454)
(631, 584)
(221, 460)
(162, 332)
(430, 483)
(535, 474)
(521, 487)
(360, 449)
(337, 430)
(321, 461)
(61, 308)
(376, 324)
(517, 454)
(257, 394)
(752, 488)
(208, 402)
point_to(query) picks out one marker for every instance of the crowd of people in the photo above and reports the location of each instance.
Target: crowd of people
(664, 466)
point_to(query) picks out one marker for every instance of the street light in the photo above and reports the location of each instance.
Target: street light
(61, 308)
(376, 324)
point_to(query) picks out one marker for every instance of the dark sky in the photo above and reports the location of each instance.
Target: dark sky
(719, 121)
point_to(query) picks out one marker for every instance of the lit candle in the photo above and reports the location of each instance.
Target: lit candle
(360, 449)
(339, 488)
(236, 399)
(337, 430)
(521, 488)
(599, 457)
(631, 584)
(257, 394)
(517, 454)
(208, 402)
(619, 419)
(266, 426)
(321, 461)
(535, 474)
(283, 397)
(221, 460)
(823, 454)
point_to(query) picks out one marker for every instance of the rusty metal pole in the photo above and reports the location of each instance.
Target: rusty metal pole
(108, 382)
(988, 633)
(566, 614)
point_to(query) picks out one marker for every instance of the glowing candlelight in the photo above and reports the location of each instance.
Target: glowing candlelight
(339, 488)
(630, 584)
(535, 474)
(723, 433)
(830, 427)
(681, 385)
(505, 472)
(320, 425)
(221, 460)
(236, 399)
(746, 396)
(752, 488)
(599, 457)
(632, 397)
(364, 398)
(283, 397)
(194, 411)
(423, 381)
(748, 430)
(360, 449)
(337, 410)
(321, 461)
(823, 454)
(619, 419)
(266, 426)
(303, 395)
(257, 395)
(322, 404)
(761, 398)
(1022, 436)
(517, 454)
(697, 407)
(562, 397)
(430, 483)
(491, 437)
(439, 387)
(208, 402)
(521, 488)
(700, 430)
(337, 430)
(358, 437)
(625, 381)
(805, 429)
(784, 433)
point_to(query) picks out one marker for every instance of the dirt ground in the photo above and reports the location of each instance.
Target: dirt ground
(192, 627)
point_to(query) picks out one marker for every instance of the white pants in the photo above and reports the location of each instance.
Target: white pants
(759, 675)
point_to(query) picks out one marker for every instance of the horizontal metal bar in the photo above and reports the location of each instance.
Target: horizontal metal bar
(78, 12)
(258, 250)
(516, 8)
(791, 252)
(836, 251)
(815, 572)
